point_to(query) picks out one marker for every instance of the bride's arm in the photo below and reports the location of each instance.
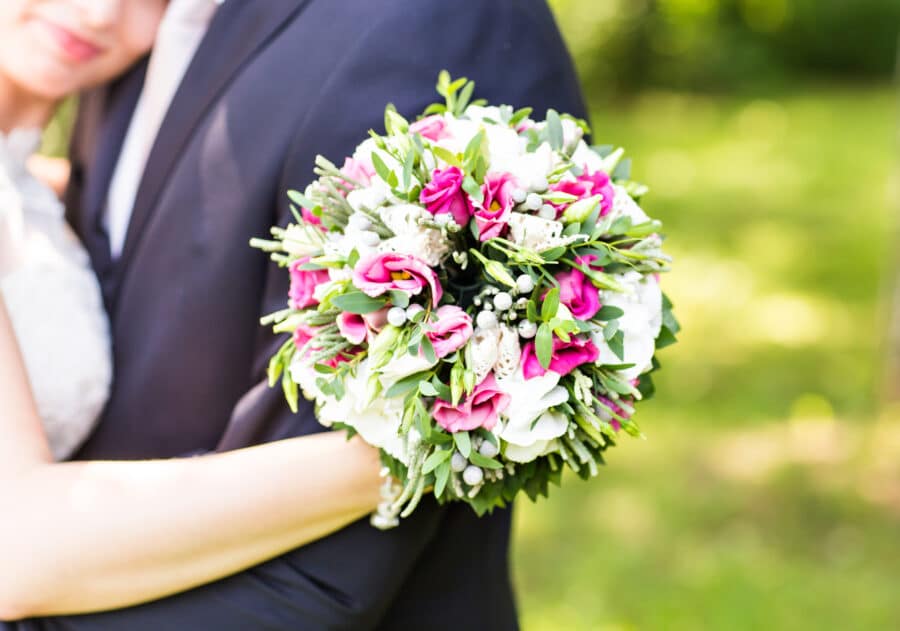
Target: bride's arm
(90, 536)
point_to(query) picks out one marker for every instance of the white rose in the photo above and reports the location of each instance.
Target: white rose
(528, 426)
(625, 206)
(585, 156)
(640, 324)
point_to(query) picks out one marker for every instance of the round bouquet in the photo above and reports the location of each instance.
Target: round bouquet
(475, 293)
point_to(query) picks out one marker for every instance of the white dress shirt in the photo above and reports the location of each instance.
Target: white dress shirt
(180, 33)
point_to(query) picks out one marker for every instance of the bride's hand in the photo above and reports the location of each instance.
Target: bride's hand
(54, 172)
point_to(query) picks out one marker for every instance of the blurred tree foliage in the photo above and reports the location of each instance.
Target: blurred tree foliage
(623, 46)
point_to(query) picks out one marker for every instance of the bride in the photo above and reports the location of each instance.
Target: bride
(199, 518)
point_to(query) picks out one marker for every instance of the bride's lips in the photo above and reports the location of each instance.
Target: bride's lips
(74, 46)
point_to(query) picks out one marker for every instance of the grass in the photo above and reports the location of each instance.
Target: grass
(767, 493)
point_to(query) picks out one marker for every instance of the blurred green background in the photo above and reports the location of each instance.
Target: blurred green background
(767, 491)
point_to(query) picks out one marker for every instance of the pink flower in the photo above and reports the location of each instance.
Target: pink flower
(358, 328)
(577, 292)
(616, 408)
(492, 216)
(566, 357)
(358, 171)
(444, 194)
(586, 185)
(380, 273)
(433, 128)
(482, 408)
(310, 218)
(451, 330)
(353, 327)
(304, 283)
(304, 334)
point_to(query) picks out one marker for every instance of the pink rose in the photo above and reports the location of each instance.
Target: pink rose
(577, 292)
(444, 194)
(304, 283)
(482, 408)
(433, 128)
(586, 185)
(450, 331)
(492, 216)
(358, 171)
(566, 357)
(380, 273)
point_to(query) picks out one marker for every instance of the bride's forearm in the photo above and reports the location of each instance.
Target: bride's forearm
(102, 535)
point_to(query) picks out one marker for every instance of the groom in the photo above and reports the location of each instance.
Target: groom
(174, 169)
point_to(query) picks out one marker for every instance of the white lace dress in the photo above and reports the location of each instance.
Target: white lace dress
(54, 301)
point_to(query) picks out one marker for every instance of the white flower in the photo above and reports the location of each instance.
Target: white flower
(572, 132)
(302, 240)
(509, 352)
(370, 197)
(537, 233)
(481, 113)
(482, 351)
(529, 169)
(528, 426)
(585, 156)
(412, 238)
(624, 206)
(402, 365)
(377, 421)
(640, 324)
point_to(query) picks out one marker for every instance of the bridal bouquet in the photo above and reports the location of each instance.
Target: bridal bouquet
(476, 293)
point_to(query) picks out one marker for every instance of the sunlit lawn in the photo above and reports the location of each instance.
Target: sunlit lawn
(767, 493)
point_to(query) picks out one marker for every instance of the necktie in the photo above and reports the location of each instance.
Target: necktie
(180, 33)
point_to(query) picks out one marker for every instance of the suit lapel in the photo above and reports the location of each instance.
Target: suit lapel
(239, 29)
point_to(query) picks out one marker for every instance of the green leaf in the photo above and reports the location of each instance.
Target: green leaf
(482, 461)
(617, 345)
(383, 171)
(498, 271)
(622, 170)
(608, 312)
(580, 210)
(399, 298)
(531, 311)
(357, 302)
(471, 187)
(426, 389)
(543, 345)
(555, 130)
(551, 305)
(405, 385)
(520, 115)
(665, 338)
(463, 443)
(440, 479)
(301, 200)
(408, 165)
(447, 156)
(428, 350)
(436, 459)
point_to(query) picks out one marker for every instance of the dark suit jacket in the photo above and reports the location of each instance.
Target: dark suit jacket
(274, 83)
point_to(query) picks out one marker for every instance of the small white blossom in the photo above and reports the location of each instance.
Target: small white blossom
(528, 426)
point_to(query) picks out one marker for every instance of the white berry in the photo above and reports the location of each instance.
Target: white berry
(458, 462)
(525, 284)
(541, 184)
(486, 320)
(502, 301)
(547, 212)
(473, 475)
(519, 195)
(488, 449)
(369, 238)
(412, 310)
(359, 221)
(396, 316)
(527, 329)
(533, 201)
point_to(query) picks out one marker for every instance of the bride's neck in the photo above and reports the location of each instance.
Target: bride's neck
(22, 109)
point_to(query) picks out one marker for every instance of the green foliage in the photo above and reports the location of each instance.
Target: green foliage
(624, 45)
